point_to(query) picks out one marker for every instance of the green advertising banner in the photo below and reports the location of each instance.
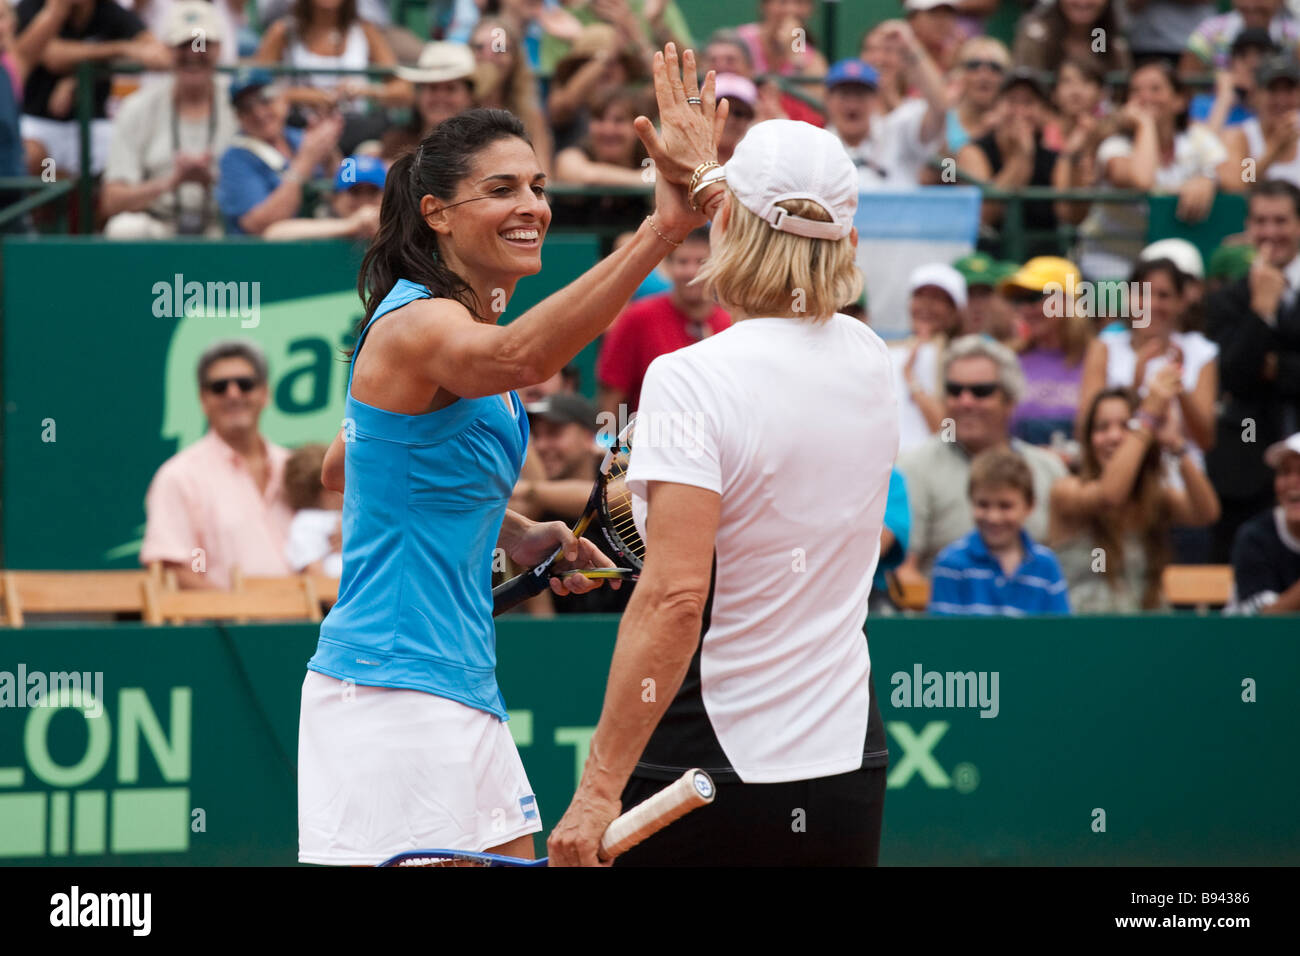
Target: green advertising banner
(101, 340)
(1117, 741)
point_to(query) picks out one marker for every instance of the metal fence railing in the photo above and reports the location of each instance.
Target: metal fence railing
(1012, 238)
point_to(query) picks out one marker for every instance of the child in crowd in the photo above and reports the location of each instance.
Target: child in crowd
(997, 569)
(316, 533)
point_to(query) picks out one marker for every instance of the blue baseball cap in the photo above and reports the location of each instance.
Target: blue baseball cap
(243, 81)
(852, 71)
(356, 170)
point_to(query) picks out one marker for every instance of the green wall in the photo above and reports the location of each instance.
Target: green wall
(193, 759)
(99, 384)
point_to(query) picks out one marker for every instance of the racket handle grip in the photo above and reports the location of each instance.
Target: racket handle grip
(692, 789)
(520, 588)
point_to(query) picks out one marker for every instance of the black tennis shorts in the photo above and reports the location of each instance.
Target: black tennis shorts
(826, 821)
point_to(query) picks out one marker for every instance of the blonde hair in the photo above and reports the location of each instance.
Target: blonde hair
(995, 48)
(761, 271)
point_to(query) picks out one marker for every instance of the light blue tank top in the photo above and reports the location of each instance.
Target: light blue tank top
(423, 503)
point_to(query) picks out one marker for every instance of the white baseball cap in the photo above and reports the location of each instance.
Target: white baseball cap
(1178, 251)
(916, 6)
(942, 276)
(782, 159)
(190, 20)
(1280, 449)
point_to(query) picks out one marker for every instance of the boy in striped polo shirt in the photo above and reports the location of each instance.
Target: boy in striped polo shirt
(997, 569)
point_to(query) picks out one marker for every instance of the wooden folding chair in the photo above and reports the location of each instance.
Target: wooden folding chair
(73, 592)
(273, 599)
(323, 586)
(1201, 586)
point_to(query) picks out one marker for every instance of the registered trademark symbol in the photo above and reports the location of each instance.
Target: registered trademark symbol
(965, 777)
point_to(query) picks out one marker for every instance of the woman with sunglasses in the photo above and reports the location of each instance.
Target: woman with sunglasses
(982, 62)
(402, 741)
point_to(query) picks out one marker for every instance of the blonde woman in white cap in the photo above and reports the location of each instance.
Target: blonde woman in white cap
(760, 469)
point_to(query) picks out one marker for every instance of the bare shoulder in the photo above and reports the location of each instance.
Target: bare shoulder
(421, 325)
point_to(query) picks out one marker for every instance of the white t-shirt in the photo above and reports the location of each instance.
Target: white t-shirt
(309, 540)
(795, 425)
(893, 153)
(1121, 365)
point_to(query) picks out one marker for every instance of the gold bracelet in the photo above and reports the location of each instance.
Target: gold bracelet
(651, 219)
(707, 180)
(699, 171)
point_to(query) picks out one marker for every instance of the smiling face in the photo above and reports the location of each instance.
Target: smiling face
(999, 512)
(983, 63)
(565, 449)
(1158, 302)
(613, 137)
(932, 311)
(1151, 89)
(1076, 94)
(980, 419)
(441, 101)
(1273, 226)
(682, 266)
(1109, 426)
(498, 236)
(235, 411)
(260, 115)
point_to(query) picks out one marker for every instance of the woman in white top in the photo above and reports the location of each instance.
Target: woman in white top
(1160, 151)
(329, 35)
(1270, 137)
(741, 651)
(937, 296)
(1131, 358)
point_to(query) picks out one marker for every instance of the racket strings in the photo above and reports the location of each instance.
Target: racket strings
(441, 861)
(616, 505)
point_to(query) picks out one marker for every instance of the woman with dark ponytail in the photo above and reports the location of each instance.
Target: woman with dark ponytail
(402, 741)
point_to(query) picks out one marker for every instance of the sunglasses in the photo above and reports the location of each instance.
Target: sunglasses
(1026, 297)
(219, 386)
(973, 65)
(977, 390)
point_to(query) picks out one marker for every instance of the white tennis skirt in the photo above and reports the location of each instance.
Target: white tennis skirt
(382, 771)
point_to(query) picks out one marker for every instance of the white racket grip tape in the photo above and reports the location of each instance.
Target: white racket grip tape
(693, 789)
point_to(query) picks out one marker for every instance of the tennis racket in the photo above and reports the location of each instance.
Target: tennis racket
(692, 789)
(610, 506)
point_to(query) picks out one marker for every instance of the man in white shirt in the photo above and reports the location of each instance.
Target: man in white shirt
(890, 150)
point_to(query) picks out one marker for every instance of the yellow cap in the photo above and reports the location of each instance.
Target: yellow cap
(1042, 271)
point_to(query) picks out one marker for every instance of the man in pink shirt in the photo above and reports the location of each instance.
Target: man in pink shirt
(657, 324)
(220, 502)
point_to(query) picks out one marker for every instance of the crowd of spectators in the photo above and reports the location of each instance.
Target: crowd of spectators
(1161, 431)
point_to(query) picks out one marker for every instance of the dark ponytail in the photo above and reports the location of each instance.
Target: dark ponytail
(405, 247)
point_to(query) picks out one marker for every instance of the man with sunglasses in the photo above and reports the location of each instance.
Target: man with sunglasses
(982, 383)
(219, 503)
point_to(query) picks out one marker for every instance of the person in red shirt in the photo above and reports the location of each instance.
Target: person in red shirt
(653, 326)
